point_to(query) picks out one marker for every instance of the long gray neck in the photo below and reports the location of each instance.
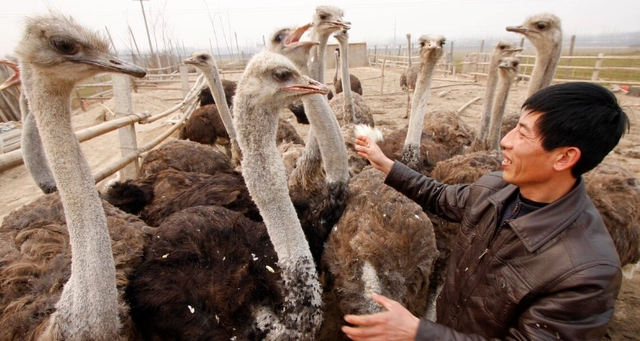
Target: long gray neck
(487, 102)
(544, 68)
(329, 137)
(217, 90)
(504, 84)
(316, 67)
(35, 158)
(335, 75)
(264, 174)
(311, 160)
(88, 306)
(346, 80)
(420, 100)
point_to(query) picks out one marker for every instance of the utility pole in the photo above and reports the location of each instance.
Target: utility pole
(148, 35)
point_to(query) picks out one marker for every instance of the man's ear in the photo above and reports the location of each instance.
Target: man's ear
(567, 157)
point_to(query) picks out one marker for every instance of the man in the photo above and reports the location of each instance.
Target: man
(533, 259)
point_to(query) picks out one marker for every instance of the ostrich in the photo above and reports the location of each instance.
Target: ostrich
(56, 53)
(231, 291)
(502, 49)
(356, 86)
(508, 70)
(207, 65)
(545, 33)
(33, 154)
(409, 76)
(348, 106)
(430, 52)
(286, 41)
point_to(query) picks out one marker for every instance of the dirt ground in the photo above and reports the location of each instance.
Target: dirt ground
(447, 94)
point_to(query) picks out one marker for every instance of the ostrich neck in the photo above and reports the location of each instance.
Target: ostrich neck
(335, 75)
(346, 80)
(419, 104)
(264, 174)
(504, 84)
(544, 68)
(89, 298)
(487, 102)
(311, 158)
(330, 140)
(316, 70)
(409, 53)
(215, 85)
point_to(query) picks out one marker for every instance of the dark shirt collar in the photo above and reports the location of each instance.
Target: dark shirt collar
(540, 226)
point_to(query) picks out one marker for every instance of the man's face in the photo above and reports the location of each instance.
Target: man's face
(525, 163)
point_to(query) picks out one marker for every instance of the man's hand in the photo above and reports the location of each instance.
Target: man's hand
(368, 149)
(395, 324)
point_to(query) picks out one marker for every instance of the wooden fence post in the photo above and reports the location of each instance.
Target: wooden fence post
(124, 107)
(573, 42)
(184, 79)
(375, 54)
(596, 72)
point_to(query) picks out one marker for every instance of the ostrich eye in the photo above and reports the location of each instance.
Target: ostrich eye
(281, 74)
(280, 37)
(323, 16)
(204, 58)
(422, 43)
(516, 63)
(541, 25)
(64, 46)
(443, 42)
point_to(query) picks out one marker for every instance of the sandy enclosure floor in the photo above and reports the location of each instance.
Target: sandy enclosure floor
(447, 94)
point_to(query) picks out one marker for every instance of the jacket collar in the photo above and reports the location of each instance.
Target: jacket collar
(537, 228)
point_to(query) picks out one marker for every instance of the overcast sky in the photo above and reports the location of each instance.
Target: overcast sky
(192, 22)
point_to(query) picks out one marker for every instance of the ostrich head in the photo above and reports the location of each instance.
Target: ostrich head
(287, 42)
(431, 47)
(342, 36)
(13, 79)
(509, 64)
(328, 19)
(274, 81)
(56, 46)
(202, 60)
(543, 30)
(507, 49)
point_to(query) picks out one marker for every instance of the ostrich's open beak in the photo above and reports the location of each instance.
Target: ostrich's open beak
(13, 79)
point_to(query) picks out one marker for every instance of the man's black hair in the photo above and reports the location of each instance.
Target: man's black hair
(582, 115)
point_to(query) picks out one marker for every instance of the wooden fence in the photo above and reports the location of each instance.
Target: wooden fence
(121, 89)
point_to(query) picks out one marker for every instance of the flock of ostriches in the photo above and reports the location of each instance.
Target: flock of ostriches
(267, 237)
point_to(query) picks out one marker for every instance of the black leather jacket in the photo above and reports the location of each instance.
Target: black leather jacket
(553, 274)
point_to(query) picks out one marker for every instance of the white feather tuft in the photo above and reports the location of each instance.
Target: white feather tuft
(373, 133)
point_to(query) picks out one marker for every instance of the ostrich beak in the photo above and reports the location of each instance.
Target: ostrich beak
(310, 87)
(292, 41)
(517, 29)
(13, 79)
(515, 49)
(109, 63)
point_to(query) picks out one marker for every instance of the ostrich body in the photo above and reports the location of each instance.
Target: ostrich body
(206, 97)
(502, 49)
(545, 33)
(351, 111)
(227, 260)
(354, 82)
(430, 52)
(508, 70)
(54, 55)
